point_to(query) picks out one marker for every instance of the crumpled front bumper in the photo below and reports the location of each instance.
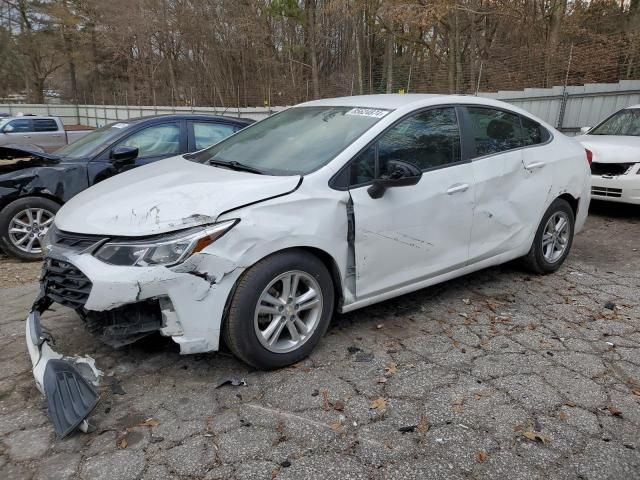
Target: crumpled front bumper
(70, 396)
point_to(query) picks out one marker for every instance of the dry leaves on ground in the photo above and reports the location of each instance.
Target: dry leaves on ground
(379, 404)
(536, 436)
(149, 422)
(391, 369)
(481, 456)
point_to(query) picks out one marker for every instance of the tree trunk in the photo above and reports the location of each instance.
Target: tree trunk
(310, 17)
(559, 8)
(388, 60)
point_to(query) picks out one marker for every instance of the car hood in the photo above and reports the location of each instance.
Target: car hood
(165, 196)
(612, 148)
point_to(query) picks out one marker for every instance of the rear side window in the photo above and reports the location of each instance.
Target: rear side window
(45, 125)
(208, 133)
(494, 131)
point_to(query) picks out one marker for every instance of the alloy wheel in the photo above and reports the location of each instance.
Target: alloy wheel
(28, 227)
(555, 237)
(288, 311)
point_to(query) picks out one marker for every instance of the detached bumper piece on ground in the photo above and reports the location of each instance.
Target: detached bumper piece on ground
(70, 396)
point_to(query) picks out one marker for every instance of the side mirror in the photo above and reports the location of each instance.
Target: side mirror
(7, 129)
(124, 154)
(401, 174)
(585, 130)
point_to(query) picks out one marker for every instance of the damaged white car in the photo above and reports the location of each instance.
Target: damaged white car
(328, 206)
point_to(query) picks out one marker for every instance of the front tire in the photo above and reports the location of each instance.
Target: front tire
(280, 309)
(553, 239)
(23, 225)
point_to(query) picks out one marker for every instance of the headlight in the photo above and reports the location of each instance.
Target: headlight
(162, 250)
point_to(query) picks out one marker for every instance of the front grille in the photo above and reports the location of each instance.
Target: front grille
(606, 192)
(65, 284)
(612, 169)
(73, 241)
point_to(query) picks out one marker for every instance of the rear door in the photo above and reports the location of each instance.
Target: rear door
(203, 134)
(47, 135)
(412, 232)
(508, 195)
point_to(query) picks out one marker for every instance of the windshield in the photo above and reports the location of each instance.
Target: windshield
(296, 141)
(93, 142)
(3, 123)
(625, 122)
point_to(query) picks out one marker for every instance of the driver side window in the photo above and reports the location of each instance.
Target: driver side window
(155, 140)
(428, 139)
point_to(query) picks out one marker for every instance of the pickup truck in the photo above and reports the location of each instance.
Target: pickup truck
(39, 133)
(34, 184)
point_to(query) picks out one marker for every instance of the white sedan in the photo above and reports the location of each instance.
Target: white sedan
(615, 145)
(328, 206)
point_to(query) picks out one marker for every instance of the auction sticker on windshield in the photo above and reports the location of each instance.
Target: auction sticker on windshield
(368, 112)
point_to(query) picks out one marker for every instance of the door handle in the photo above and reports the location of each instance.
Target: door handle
(535, 165)
(458, 188)
(27, 136)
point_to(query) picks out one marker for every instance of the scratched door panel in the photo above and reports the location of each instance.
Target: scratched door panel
(412, 233)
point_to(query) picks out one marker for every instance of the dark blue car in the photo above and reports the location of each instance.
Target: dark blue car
(33, 185)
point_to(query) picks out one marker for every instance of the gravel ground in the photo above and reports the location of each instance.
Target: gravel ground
(499, 374)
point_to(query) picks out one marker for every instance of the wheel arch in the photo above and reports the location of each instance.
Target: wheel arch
(5, 201)
(325, 257)
(573, 202)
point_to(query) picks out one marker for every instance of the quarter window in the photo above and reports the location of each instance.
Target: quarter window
(494, 131)
(532, 133)
(156, 140)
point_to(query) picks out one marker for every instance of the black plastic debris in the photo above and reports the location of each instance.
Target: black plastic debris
(408, 428)
(364, 357)
(70, 397)
(610, 306)
(116, 387)
(353, 350)
(285, 464)
(235, 382)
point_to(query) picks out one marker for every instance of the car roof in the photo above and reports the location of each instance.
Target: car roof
(28, 117)
(186, 116)
(394, 101)
(387, 101)
(632, 106)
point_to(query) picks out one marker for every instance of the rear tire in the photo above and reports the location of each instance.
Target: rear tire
(280, 309)
(553, 239)
(23, 224)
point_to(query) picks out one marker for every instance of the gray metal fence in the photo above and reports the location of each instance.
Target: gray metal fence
(568, 108)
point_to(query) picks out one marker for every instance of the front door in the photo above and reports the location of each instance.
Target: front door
(154, 143)
(413, 232)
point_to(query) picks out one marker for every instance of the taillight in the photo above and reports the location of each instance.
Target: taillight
(589, 156)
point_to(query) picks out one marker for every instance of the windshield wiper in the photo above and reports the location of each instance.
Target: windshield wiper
(233, 165)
